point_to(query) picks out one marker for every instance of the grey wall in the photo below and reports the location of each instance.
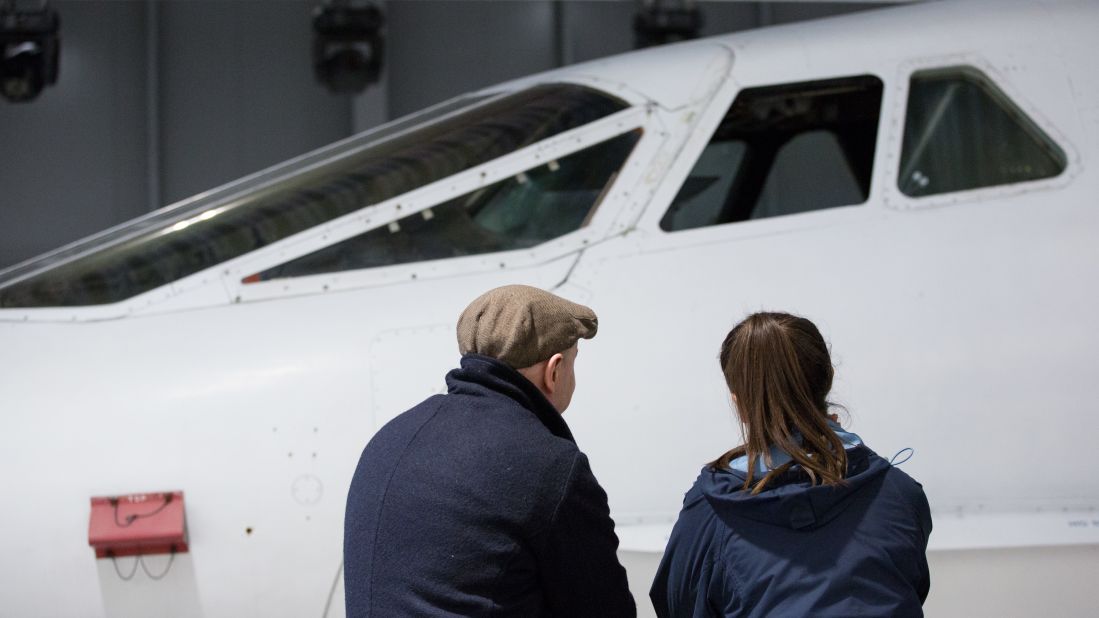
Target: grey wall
(237, 91)
(161, 99)
(72, 162)
(441, 49)
(157, 101)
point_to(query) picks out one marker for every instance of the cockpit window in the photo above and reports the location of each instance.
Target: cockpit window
(527, 209)
(961, 132)
(358, 177)
(782, 150)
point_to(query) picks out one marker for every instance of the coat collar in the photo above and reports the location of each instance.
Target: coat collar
(486, 376)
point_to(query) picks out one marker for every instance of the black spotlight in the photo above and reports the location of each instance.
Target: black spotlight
(29, 50)
(347, 45)
(657, 24)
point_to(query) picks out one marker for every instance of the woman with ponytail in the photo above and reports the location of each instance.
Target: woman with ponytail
(803, 519)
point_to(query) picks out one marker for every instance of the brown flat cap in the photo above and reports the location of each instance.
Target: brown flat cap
(522, 326)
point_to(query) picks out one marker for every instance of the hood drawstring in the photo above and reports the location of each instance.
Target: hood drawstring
(911, 452)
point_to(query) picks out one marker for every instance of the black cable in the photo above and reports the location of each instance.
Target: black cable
(132, 517)
(133, 571)
(167, 568)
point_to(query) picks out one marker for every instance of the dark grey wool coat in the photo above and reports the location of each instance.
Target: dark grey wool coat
(479, 503)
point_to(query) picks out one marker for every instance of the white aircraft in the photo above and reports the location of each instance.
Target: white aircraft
(919, 181)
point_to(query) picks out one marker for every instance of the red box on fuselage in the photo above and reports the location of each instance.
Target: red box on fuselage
(138, 524)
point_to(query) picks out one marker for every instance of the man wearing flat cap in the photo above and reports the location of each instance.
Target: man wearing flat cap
(478, 502)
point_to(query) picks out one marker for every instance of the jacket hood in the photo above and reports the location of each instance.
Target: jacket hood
(789, 501)
(484, 376)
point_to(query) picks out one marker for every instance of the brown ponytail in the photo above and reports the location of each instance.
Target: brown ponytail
(778, 368)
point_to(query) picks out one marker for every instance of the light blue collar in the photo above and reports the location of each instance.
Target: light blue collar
(780, 457)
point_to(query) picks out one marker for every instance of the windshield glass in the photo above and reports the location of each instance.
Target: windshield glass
(312, 196)
(525, 210)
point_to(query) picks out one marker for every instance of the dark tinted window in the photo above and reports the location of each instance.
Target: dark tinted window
(522, 211)
(232, 227)
(782, 150)
(961, 132)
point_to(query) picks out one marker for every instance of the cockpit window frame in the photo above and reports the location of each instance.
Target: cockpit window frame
(789, 123)
(199, 290)
(887, 177)
(140, 302)
(708, 115)
(430, 196)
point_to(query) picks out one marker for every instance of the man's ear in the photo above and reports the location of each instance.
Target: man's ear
(552, 366)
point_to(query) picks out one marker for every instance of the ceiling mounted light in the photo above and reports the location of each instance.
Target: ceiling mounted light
(656, 23)
(29, 50)
(347, 45)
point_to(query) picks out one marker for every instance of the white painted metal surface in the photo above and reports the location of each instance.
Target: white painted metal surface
(965, 326)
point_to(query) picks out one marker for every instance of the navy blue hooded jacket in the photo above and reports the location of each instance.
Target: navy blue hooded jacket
(479, 503)
(856, 549)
